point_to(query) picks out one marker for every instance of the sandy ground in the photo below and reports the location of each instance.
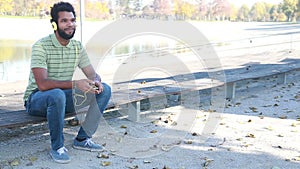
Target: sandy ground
(258, 129)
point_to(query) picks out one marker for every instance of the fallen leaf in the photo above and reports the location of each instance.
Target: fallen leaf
(238, 104)
(100, 155)
(134, 167)
(33, 159)
(254, 109)
(211, 111)
(15, 162)
(296, 158)
(165, 167)
(166, 147)
(188, 142)
(153, 131)
(174, 123)
(105, 163)
(250, 135)
(239, 139)
(270, 128)
(207, 162)
(155, 122)
(123, 126)
(283, 117)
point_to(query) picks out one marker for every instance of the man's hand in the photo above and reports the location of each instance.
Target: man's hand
(87, 85)
(100, 87)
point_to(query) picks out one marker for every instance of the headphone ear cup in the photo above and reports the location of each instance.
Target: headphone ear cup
(54, 26)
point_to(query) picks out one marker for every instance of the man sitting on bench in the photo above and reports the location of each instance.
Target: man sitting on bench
(52, 93)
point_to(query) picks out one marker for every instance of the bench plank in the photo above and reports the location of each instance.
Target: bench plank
(162, 87)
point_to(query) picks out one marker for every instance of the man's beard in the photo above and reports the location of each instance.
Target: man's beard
(64, 35)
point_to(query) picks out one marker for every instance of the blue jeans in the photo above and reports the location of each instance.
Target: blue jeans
(54, 103)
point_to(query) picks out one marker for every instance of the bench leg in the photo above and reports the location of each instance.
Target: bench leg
(132, 110)
(282, 78)
(230, 90)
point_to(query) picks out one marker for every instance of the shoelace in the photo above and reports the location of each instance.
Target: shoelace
(89, 142)
(62, 150)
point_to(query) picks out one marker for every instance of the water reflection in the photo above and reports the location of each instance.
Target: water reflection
(15, 54)
(14, 60)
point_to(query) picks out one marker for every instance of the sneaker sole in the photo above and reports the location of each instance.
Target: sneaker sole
(88, 149)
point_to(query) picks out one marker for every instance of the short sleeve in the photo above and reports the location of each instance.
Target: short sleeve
(38, 56)
(84, 59)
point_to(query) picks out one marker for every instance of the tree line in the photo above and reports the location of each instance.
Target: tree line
(202, 10)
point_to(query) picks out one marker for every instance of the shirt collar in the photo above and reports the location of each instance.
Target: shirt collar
(56, 42)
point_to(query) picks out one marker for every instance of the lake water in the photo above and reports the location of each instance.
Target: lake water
(14, 60)
(241, 41)
(15, 54)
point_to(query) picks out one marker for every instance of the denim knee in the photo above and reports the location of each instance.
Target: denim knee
(57, 97)
(106, 90)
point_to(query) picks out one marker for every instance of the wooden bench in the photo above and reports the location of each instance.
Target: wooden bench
(129, 101)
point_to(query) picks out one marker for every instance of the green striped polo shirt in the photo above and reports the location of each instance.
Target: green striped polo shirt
(60, 61)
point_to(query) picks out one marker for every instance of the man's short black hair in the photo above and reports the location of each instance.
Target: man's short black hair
(61, 7)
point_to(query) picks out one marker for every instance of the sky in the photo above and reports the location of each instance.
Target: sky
(239, 3)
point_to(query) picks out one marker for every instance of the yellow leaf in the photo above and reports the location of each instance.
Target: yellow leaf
(15, 162)
(33, 159)
(297, 158)
(123, 126)
(250, 135)
(103, 156)
(283, 117)
(105, 163)
(153, 131)
(188, 142)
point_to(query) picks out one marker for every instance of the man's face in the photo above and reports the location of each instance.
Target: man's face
(66, 25)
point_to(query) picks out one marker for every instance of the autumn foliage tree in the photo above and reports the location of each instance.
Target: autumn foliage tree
(204, 10)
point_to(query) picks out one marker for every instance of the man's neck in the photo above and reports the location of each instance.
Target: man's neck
(61, 40)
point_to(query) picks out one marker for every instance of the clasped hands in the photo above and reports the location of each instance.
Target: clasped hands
(87, 85)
